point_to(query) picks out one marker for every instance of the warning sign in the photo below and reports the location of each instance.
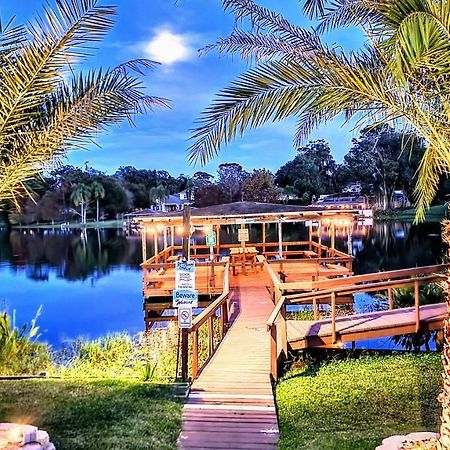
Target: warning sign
(185, 275)
(185, 297)
(185, 317)
(243, 235)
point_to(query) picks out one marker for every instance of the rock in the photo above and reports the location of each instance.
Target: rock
(393, 442)
(422, 436)
(32, 446)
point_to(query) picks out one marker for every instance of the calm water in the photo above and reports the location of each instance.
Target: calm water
(89, 287)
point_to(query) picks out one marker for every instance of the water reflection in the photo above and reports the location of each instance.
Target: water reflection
(70, 255)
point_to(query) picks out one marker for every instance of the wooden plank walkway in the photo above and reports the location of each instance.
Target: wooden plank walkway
(231, 404)
(304, 334)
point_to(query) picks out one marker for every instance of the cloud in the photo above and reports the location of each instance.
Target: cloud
(168, 47)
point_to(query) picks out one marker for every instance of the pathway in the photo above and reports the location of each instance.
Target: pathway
(231, 404)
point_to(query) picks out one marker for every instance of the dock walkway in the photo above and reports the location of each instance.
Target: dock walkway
(304, 334)
(231, 403)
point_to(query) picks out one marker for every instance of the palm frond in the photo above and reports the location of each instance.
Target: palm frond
(314, 90)
(52, 43)
(265, 20)
(256, 46)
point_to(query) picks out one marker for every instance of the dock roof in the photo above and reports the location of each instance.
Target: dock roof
(246, 212)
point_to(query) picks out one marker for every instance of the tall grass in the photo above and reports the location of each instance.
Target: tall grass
(20, 353)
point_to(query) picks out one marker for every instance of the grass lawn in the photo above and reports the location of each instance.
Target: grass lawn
(354, 404)
(433, 214)
(107, 414)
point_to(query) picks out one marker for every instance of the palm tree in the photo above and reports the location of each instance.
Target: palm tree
(98, 192)
(402, 77)
(158, 194)
(42, 116)
(80, 196)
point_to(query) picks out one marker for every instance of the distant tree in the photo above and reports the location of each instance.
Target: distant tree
(231, 176)
(210, 194)
(201, 179)
(98, 192)
(311, 173)
(260, 187)
(377, 161)
(80, 196)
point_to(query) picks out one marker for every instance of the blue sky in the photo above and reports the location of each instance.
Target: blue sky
(172, 32)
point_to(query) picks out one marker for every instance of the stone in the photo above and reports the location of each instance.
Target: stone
(393, 442)
(32, 446)
(422, 436)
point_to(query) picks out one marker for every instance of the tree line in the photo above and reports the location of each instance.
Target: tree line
(380, 161)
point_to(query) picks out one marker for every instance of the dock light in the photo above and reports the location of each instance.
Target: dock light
(207, 228)
(159, 227)
(179, 229)
(151, 229)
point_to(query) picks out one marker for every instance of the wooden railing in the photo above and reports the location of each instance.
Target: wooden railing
(268, 249)
(208, 315)
(374, 282)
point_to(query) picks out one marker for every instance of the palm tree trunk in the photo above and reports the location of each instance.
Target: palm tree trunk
(444, 397)
(98, 210)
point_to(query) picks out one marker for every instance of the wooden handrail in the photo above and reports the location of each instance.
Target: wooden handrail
(279, 308)
(392, 274)
(207, 316)
(353, 289)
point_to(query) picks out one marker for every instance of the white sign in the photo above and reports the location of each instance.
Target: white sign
(185, 317)
(185, 297)
(185, 275)
(243, 235)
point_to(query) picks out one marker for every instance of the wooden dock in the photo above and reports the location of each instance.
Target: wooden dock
(231, 403)
(303, 334)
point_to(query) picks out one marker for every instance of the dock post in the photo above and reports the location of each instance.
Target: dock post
(224, 315)
(390, 300)
(144, 242)
(172, 240)
(283, 331)
(195, 354)
(165, 240)
(310, 237)
(333, 236)
(417, 303)
(273, 352)
(264, 238)
(333, 318)
(218, 241)
(210, 336)
(280, 240)
(155, 243)
(319, 238)
(315, 309)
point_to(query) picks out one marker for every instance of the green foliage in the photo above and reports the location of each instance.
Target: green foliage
(355, 404)
(107, 414)
(311, 173)
(19, 351)
(377, 162)
(260, 187)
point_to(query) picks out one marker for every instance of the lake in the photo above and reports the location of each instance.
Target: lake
(93, 286)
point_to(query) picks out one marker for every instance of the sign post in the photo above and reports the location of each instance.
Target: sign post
(186, 251)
